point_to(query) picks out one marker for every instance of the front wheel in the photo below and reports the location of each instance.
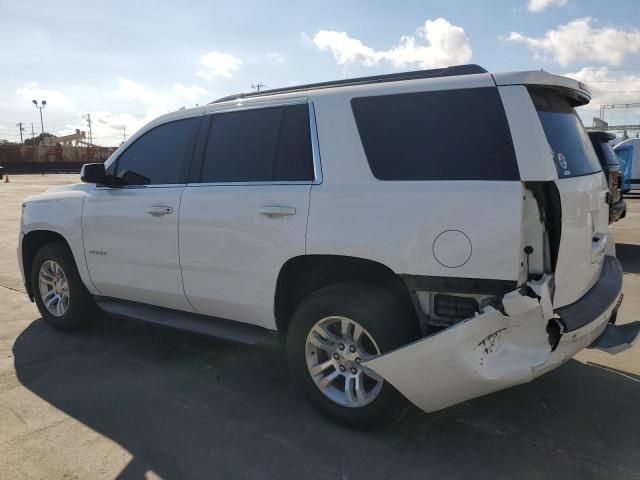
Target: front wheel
(332, 333)
(61, 297)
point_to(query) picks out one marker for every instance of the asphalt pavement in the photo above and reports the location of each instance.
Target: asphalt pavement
(127, 400)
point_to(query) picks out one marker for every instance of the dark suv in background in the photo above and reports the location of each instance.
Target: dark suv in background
(611, 168)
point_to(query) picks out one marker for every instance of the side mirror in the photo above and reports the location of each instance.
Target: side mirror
(93, 173)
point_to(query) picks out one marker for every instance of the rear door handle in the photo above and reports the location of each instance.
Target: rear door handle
(277, 211)
(159, 210)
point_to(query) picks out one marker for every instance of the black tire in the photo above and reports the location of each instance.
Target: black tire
(388, 320)
(81, 309)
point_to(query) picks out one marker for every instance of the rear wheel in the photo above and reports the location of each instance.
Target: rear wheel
(61, 297)
(332, 333)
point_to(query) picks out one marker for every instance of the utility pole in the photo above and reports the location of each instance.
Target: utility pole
(33, 142)
(21, 128)
(124, 134)
(89, 122)
(44, 104)
(258, 86)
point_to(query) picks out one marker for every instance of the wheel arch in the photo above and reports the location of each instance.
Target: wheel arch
(302, 275)
(31, 243)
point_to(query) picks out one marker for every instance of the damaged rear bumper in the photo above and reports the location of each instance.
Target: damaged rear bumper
(492, 350)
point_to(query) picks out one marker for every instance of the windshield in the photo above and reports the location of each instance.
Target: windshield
(623, 156)
(573, 153)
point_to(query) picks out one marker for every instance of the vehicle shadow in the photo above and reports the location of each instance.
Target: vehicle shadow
(187, 406)
(629, 256)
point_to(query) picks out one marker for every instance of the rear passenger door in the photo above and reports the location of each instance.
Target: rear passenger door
(246, 213)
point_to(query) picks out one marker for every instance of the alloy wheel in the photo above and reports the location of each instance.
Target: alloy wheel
(335, 349)
(54, 288)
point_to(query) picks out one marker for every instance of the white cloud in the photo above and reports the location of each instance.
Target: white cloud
(345, 49)
(55, 99)
(163, 99)
(131, 90)
(437, 44)
(607, 87)
(539, 5)
(578, 41)
(190, 93)
(112, 126)
(218, 64)
(141, 104)
(108, 127)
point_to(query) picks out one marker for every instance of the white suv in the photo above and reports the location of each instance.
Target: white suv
(435, 235)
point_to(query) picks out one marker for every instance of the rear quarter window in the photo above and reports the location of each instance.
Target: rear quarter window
(459, 134)
(573, 153)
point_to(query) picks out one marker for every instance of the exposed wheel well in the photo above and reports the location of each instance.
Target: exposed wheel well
(303, 275)
(31, 243)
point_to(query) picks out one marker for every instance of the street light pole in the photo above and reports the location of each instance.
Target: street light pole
(44, 103)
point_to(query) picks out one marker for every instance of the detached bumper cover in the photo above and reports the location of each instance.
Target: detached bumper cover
(488, 352)
(605, 291)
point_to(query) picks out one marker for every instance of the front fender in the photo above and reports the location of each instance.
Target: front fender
(59, 212)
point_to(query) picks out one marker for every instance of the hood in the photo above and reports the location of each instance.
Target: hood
(71, 190)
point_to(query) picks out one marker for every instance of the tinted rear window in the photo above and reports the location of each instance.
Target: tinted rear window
(573, 153)
(605, 153)
(445, 135)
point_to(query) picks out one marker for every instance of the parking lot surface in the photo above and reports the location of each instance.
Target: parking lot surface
(126, 400)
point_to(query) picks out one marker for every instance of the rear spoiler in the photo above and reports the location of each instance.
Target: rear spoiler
(577, 91)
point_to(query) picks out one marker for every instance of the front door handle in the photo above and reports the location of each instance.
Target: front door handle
(159, 210)
(276, 211)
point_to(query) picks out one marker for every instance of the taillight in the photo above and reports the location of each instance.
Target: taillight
(614, 185)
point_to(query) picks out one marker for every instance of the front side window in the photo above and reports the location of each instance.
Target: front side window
(459, 134)
(573, 153)
(259, 145)
(160, 156)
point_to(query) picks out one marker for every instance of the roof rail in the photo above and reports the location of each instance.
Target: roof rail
(452, 71)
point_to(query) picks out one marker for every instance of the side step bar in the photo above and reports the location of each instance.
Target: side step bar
(192, 322)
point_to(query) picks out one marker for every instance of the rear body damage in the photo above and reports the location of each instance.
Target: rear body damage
(516, 335)
(493, 350)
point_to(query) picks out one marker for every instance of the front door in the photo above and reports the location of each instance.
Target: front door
(131, 230)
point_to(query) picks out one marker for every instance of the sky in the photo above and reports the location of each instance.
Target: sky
(125, 63)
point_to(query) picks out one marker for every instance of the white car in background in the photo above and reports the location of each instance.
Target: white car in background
(339, 216)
